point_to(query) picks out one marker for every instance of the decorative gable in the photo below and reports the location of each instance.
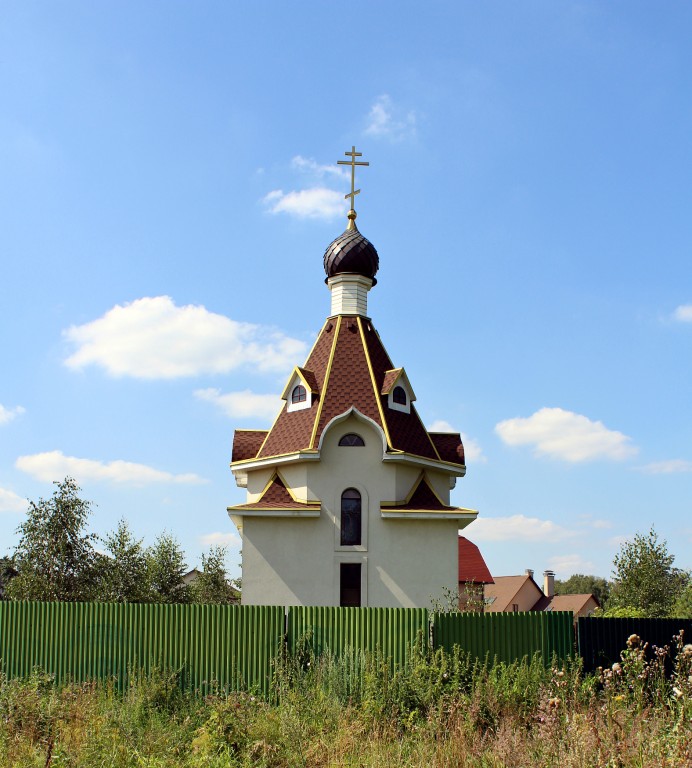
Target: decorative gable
(301, 390)
(277, 500)
(398, 389)
(423, 502)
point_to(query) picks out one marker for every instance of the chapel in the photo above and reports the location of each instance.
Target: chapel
(348, 493)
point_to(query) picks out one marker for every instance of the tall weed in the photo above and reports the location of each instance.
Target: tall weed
(440, 709)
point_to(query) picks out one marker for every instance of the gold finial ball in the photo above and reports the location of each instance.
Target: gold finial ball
(352, 215)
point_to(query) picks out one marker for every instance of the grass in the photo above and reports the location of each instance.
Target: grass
(442, 710)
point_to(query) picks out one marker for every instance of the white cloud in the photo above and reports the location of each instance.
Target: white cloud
(10, 502)
(242, 405)
(668, 467)
(7, 414)
(472, 450)
(565, 435)
(517, 528)
(220, 539)
(314, 203)
(387, 120)
(602, 524)
(567, 565)
(152, 338)
(588, 519)
(440, 425)
(54, 465)
(313, 168)
(683, 313)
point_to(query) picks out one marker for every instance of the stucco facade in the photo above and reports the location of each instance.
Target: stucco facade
(295, 560)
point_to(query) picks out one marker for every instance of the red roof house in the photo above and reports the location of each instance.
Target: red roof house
(473, 575)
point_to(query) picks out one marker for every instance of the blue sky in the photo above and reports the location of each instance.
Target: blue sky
(168, 185)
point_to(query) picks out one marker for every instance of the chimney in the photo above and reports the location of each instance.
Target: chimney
(529, 573)
(549, 583)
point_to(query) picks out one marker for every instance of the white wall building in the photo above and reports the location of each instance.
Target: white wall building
(348, 493)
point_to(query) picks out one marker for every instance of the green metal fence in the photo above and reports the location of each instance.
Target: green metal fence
(229, 646)
(506, 636)
(235, 647)
(390, 631)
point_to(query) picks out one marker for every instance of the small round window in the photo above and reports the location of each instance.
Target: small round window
(399, 395)
(351, 439)
(299, 394)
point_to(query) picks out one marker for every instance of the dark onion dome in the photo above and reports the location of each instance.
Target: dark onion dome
(351, 253)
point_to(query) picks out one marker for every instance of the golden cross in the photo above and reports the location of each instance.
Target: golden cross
(353, 163)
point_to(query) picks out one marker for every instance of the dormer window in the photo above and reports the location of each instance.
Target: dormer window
(301, 390)
(351, 439)
(397, 388)
(298, 397)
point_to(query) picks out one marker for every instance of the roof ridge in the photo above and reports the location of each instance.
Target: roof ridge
(325, 385)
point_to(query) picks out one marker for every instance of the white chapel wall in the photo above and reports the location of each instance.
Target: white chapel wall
(405, 563)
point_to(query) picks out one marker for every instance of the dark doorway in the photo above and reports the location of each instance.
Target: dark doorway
(349, 596)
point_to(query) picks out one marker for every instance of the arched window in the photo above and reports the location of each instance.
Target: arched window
(351, 439)
(350, 518)
(399, 395)
(298, 395)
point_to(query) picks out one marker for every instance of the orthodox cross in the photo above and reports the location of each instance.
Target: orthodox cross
(353, 163)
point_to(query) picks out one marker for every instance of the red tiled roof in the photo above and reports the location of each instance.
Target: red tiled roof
(449, 446)
(310, 379)
(292, 431)
(276, 496)
(388, 382)
(572, 603)
(246, 443)
(347, 367)
(406, 430)
(472, 567)
(349, 381)
(504, 590)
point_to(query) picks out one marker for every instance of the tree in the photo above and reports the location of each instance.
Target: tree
(55, 558)
(682, 607)
(644, 576)
(579, 584)
(123, 571)
(7, 573)
(212, 585)
(166, 566)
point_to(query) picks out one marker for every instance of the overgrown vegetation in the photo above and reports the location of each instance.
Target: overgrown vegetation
(442, 710)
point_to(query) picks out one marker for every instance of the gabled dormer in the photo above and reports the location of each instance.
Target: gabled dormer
(301, 390)
(398, 389)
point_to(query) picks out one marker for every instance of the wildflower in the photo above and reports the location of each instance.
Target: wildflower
(633, 641)
(554, 703)
(616, 668)
(687, 650)
(677, 692)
